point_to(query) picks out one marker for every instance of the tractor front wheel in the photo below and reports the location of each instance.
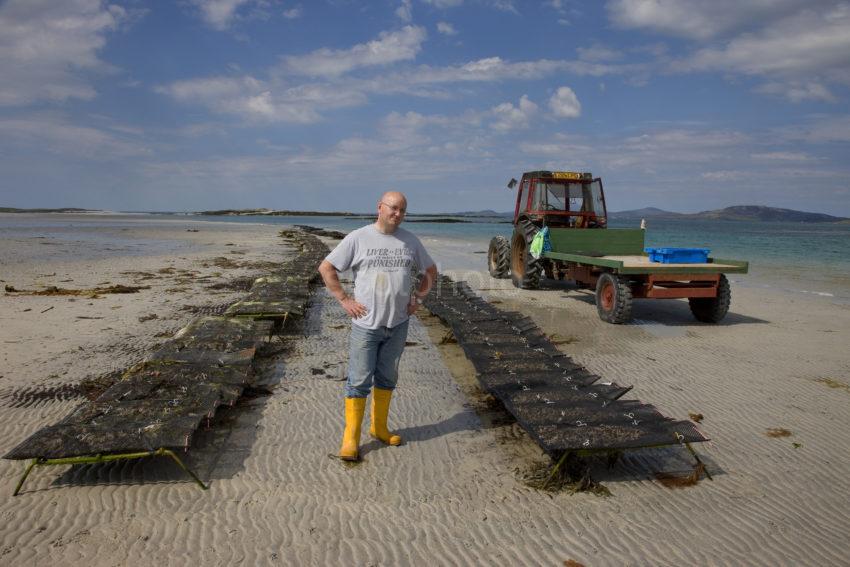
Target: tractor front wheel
(499, 257)
(525, 269)
(613, 299)
(712, 309)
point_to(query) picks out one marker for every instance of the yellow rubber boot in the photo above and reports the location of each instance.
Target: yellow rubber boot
(380, 412)
(354, 410)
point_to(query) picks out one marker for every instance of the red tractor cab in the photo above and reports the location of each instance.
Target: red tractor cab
(563, 199)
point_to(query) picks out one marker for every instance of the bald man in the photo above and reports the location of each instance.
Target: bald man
(384, 258)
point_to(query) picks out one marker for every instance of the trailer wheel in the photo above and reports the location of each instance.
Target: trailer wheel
(499, 257)
(613, 299)
(713, 309)
(525, 270)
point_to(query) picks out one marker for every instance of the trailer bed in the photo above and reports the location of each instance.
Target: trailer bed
(640, 264)
(622, 251)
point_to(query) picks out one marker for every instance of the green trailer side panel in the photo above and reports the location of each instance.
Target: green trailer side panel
(588, 260)
(597, 241)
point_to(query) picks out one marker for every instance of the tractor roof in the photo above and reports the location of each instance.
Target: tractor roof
(558, 174)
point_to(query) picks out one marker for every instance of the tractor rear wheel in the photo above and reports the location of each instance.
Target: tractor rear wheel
(712, 309)
(499, 257)
(613, 299)
(525, 269)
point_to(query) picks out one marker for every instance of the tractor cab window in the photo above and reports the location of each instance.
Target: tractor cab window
(523, 195)
(554, 196)
(567, 196)
(594, 199)
(538, 199)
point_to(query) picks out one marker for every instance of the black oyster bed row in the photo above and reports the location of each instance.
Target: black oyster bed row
(159, 403)
(562, 406)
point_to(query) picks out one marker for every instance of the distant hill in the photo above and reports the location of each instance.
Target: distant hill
(752, 213)
(64, 210)
(645, 213)
(270, 213)
(756, 213)
(484, 213)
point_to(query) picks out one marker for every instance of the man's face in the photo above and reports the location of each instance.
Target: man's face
(391, 210)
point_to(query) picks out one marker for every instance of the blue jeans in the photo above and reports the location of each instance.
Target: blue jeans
(373, 358)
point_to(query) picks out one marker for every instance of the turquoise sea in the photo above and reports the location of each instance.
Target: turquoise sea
(801, 258)
(806, 258)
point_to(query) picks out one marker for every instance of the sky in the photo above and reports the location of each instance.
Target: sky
(188, 105)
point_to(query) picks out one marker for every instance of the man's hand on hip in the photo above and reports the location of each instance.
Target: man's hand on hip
(354, 309)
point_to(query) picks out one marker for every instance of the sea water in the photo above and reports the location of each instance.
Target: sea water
(800, 258)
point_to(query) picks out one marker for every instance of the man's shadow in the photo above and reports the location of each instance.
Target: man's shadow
(467, 420)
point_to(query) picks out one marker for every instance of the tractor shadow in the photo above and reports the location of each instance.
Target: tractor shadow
(669, 312)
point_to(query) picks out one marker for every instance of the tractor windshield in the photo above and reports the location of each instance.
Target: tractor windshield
(572, 196)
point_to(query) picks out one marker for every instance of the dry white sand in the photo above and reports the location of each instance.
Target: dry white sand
(453, 493)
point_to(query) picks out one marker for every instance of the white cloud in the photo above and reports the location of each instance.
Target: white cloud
(446, 28)
(411, 125)
(697, 19)
(698, 140)
(293, 13)
(390, 47)
(405, 11)
(598, 53)
(504, 5)
(497, 69)
(799, 47)
(510, 117)
(782, 156)
(44, 46)
(219, 13)
(564, 103)
(806, 44)
(834, 129)
(444, 3)
(647, 153)
(798, 91)
(258, 100)
(724, 175)
(56, 135)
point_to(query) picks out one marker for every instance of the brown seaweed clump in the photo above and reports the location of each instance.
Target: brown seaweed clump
(572, 476)
(671, 480)
(831, 383)
(778, 432)
(91, 292)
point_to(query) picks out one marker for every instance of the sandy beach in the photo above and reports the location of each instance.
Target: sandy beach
(772, 383)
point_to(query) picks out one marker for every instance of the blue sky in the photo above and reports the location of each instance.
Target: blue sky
(685, 105)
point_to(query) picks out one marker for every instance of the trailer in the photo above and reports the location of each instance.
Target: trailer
(613, 262)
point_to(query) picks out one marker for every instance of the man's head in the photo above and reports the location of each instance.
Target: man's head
(391, 209)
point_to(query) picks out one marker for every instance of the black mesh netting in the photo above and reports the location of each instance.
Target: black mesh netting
(286, 292)
(162, 401)
(562, 405)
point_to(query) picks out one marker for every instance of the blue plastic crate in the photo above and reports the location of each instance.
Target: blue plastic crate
(678, 255)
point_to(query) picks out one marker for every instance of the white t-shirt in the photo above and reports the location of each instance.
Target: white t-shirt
(384, 266)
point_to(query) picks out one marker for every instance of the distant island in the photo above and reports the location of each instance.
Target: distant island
(748, 213)
(271, 213)
(63, 210)
(752, 213)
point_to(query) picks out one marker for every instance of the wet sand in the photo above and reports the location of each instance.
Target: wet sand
(455, 492)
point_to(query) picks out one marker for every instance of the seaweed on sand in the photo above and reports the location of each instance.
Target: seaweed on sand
(91, 292)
